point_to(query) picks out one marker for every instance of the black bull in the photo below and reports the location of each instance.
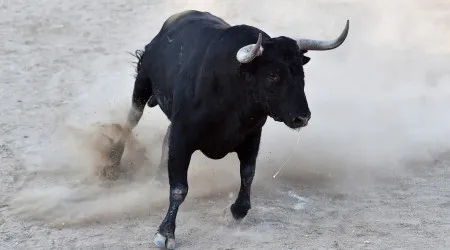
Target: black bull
(217, 87)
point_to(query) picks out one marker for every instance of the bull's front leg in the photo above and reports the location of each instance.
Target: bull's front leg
(179, 157)
(247, 153)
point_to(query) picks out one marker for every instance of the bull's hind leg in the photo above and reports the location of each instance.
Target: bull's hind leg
(141, 94)
(179, 157)
(247, 153)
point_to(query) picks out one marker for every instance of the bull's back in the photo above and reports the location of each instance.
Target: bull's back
(175, 55)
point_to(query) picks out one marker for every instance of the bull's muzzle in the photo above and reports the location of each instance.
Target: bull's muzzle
(301, 121)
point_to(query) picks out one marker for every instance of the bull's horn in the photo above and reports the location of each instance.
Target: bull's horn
(309, 44)
(249, 52)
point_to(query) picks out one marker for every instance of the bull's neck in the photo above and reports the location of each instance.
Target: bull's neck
(249, 101)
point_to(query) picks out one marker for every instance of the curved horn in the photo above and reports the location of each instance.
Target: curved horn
(309, 44)
(249, 52)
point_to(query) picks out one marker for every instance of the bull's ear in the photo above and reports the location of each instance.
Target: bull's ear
(305, 60)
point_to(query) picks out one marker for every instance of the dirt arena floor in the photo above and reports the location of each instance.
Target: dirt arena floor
(371, 171)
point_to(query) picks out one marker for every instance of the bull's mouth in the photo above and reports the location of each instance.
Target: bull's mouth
(297, 122)
(293, 123)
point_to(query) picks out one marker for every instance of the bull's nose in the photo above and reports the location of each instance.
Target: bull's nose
(301, 120)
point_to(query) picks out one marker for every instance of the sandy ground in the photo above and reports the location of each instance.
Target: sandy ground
(370, 172)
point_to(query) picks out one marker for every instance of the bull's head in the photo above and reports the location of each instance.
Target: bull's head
(277, 66)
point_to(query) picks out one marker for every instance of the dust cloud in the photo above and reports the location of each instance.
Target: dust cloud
(378, 102)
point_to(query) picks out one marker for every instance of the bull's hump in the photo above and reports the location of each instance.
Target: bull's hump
(190, 15)
(177, 16)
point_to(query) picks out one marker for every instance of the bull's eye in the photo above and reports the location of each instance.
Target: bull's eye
(273, 77)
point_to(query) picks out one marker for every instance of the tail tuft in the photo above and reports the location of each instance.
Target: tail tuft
(139, 54)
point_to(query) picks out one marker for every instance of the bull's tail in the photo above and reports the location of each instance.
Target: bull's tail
(139, 54)
(141, 93)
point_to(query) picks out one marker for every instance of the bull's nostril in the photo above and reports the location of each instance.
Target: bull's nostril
(301, 120)
(297, 120)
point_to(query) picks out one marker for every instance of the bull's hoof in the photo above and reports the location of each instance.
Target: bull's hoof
(163, 242)
(109, 168)
(111, 155)
(109, 173)
(239, 211)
